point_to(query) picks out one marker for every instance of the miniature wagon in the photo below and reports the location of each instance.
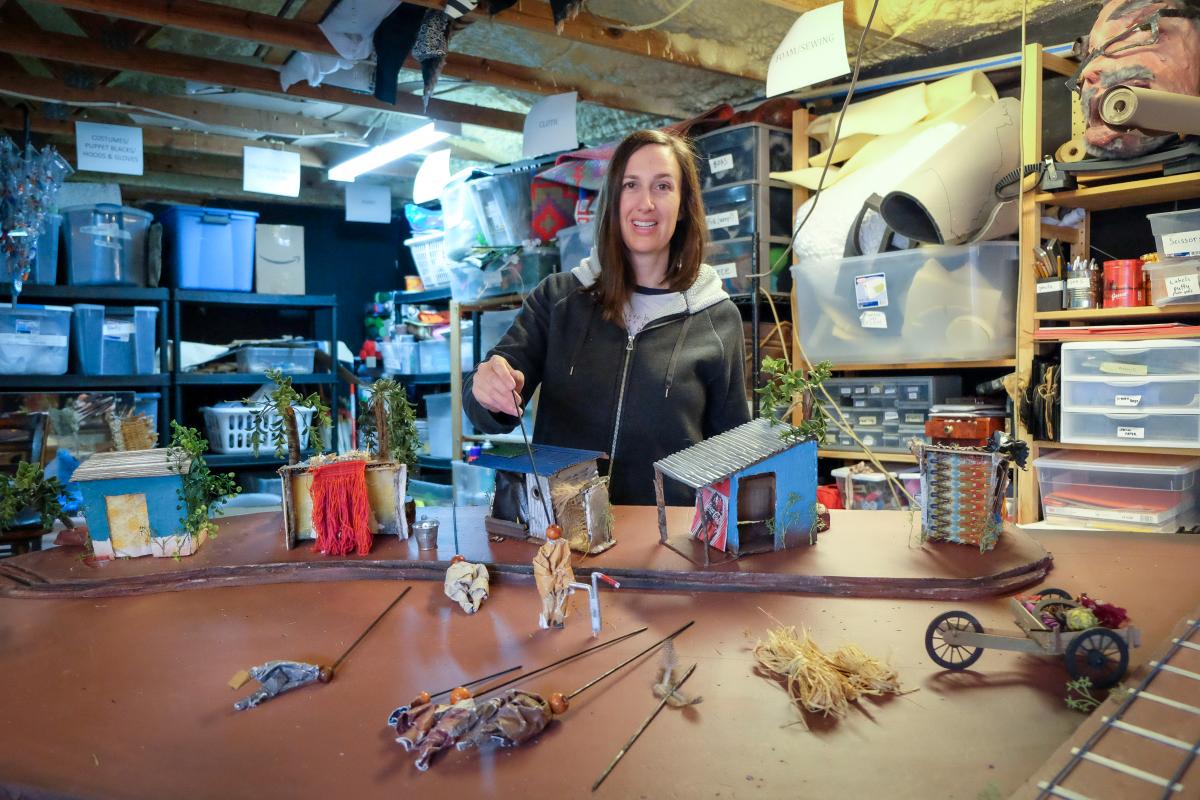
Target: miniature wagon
(955, 640)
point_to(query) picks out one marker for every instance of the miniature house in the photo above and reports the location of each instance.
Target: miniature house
(386, 488)
(754, 490)
(570, 482)
(132, 503)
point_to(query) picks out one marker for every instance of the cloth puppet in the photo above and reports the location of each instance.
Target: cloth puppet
(1154, 45)
(394, 40)
(277, 677)
(509, 720)
(466, 584)
(430, 49)
(553, 574)
(453, 723)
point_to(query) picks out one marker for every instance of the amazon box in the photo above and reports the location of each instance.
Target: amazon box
(279, 259)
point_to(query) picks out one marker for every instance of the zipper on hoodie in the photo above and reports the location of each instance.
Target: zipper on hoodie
(612, 451)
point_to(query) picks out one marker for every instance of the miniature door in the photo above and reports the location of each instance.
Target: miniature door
(756, 513)
(128, 524)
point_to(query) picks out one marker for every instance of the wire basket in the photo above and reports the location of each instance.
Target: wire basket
(231, 427)
(429, 254)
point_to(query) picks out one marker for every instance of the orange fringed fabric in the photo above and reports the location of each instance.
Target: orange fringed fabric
(341, 511)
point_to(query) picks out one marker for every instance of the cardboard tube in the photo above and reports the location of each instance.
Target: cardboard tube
(1151, 110)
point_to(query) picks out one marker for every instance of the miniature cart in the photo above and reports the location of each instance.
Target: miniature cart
(955, 640)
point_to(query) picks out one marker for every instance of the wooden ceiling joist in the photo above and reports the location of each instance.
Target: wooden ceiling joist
(78, 50)
(293, 35)
(312, 12)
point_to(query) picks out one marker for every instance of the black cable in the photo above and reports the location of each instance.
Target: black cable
(1016, 175)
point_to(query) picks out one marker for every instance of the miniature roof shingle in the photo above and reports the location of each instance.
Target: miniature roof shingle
(548, 459)
(133, 464)
(709, 461)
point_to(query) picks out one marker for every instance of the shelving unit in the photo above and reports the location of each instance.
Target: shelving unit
(425, 380)
(457, 310)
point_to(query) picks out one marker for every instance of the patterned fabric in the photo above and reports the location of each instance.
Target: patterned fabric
(456, 8)
(710, 523)
(553, 207)
(430, 49)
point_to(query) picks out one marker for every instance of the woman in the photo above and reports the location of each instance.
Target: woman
(638, 349)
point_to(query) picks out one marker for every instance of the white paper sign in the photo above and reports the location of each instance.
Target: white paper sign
(873, 319)
(1128, 400)
(814, 50)
(1186, 243)
(726, 271)
(1124, 432)
(720, 164)
(1182, 285)
(1079, 283)
(550, 125)
(1045, 287)
(271, 171)
(870, 291)
(108, 148)
(723, 219)
(368, 202)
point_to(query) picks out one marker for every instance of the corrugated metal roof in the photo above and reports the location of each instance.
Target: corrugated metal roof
(133, 464)
(548, 459)
(724, 454)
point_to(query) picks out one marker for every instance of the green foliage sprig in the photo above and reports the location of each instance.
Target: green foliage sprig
(388, 401)
(203, 490)
(276, 419)
(30, 489)
(1079, 696)
(787, 389)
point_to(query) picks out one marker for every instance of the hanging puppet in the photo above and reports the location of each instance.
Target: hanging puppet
(553, 574)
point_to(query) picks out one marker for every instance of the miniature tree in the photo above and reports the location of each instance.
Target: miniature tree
(277, 418)
(29, 490)
(788, 390)
(389, 423)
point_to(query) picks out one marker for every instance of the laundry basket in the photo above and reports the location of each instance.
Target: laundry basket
(231, 425)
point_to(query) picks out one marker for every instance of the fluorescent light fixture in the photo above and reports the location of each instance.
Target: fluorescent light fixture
(385, 153)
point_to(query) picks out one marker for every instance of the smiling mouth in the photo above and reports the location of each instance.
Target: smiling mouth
(642, 225)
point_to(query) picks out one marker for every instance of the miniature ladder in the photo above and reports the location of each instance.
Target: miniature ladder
(1170, 786)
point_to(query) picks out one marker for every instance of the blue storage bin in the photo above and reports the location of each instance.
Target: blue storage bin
(210, 248)
(105, 245)
(45, 266)
(33, 339)
(146, 403)
(114, 341)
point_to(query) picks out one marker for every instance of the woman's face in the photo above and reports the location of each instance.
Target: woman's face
(650, 198)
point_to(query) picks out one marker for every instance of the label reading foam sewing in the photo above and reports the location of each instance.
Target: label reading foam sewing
(1078, 283)
(1127, 432)
(1128, 400)
(1121, 368)
(871, 290)
(726, 271)
(117, 330)
(873, 319)
(1186, 243)
(1182, 285)
(725, 219)
(1046, 287)
(720, 164)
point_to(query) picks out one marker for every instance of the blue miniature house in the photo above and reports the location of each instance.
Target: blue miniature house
(755, 491)
(131, 503)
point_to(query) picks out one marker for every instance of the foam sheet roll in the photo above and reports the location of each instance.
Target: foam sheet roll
(1151, 110)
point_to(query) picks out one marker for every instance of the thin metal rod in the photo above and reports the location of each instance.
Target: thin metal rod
(532, 466)
(399, 597)
(628, 661)
(477, 680)
(642, 728)
(554, 664)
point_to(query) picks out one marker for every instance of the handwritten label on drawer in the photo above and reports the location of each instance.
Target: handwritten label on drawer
(1186, 243)
(727, 270)
(876, 389)
(913, 394)
(1121, 368)
(118, 330)
(1045, 287)
(1182, 285)
(725, 219)
(873, 319)
(891, 416)
(868, 420)
(1127, 432)
(1079, 283)
(914, 419)
(1128, 400)
(720, 164)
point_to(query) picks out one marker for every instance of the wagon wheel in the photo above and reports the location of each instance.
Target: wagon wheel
(1055, 606)
(952, 656)
(1052, 592)
(1099, 655)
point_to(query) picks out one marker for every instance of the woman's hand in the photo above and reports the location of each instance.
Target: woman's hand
(494, 384)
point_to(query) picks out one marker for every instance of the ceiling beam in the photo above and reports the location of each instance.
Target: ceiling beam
(78, 50)
(854, 15)
(295, 35)
(312, 12)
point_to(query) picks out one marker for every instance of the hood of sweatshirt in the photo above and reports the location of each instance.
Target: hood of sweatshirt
(705, 291)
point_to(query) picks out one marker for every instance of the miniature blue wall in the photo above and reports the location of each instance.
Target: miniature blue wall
(162, 499)
(795, 492)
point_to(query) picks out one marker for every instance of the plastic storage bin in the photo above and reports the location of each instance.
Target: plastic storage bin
(230, 427)
(114, 341)
(1132, 394)
(429, 254)
(1131, 430)
(433, 356)
(437, 408)
(292, 360)
(502, 207)
(1142, 491)
(473, 486)
(210, 248)
(928, 304)
(909, 392)
(518, 275)
(431, 494)
(1176, 233)
(734, 261)
(575, 244)
(747, 152)
(34, 339)
(1131, 359)
(867, 491)
(1174, 280)
(45, 266)
(146, 404)
(106, 245)
(743, 209)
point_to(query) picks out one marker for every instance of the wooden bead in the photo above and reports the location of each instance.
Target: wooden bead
(420, 700)
(325, 675)
(553, 532)
(559, 703)
(457, 559)
(458, 694)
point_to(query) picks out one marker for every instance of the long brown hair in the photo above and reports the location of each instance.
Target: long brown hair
(617, 279)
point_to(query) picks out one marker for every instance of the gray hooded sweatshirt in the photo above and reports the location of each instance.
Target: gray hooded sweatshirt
(678, 381)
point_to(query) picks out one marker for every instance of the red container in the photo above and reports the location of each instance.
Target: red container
(1123, 283)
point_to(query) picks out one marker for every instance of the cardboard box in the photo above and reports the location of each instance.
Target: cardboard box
(279, 259)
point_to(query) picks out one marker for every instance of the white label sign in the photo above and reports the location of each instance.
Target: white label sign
(1125, 432)
(1128, 400)
(108, 148)
(870, 291)
(1045, 287)
(727, 270)
(271, 171)
(116, 330)
(1186, 243)
(873, 319)
(891, 416)
(368, 202)
(720, 164)
(814, 50)
(1079, 283)
(1182, 285)
(550, 125)
(33, 339)
(725, 219)
(866, 420)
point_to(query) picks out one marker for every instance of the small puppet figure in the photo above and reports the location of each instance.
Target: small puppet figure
(278, 677)
(553, 574)
(508, 721)
(466, 584)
